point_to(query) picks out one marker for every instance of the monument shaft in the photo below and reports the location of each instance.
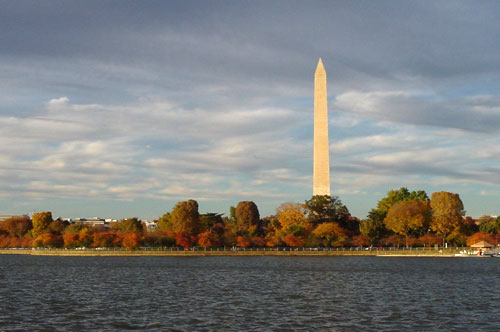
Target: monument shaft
(321, 168)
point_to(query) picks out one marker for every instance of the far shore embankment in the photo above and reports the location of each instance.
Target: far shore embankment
(215, 253)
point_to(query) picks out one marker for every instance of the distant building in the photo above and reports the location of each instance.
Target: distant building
(151, 225)
(94, 221)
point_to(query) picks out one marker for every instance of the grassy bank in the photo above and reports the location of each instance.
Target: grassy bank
(181, 253)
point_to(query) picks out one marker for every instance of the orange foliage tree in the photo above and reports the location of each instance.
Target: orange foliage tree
(408, 216)
(184, 240)
(243, 242)
(393, 240)
(428, 240)
(16, 226)
(131, 241)
(258, 241)
(479, 236)
(361, 240)
(105, 239)
(71, 240)
(293, 241)
(48, 240)
(208, 240)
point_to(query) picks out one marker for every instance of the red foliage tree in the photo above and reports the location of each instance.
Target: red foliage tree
(208, 240)
(48, 240)
(393, 240)
(429, 240)
(258, 241)
(184, 240)
(131, 241)
(104, 239)
(477, 237)
(71, 240)
(361, 241)
(293, 241)
(16, 226)
(243, 242)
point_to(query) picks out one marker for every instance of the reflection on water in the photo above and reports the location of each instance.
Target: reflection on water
(248, 293)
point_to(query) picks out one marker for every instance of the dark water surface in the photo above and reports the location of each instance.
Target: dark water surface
(249, 294)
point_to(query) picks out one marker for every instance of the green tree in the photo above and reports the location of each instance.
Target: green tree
(408, 216)
(129, 225)
(76, 228)
(325, 208)
(41, 222)
(488, 224)
(232, 214)
(393, 197)
(210, 221)
(247, 216)
(372, 229)
(186, 218)
(57, 227)
(447, 212)
(164, 224)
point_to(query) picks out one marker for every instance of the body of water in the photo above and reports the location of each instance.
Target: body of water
(249, 293)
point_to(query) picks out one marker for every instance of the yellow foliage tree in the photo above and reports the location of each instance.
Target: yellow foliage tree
(447, 212)
(331, 234)
(292, 214)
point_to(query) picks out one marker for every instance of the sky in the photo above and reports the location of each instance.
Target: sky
(124, 108)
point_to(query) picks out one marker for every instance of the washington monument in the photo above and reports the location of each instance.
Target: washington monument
(321, 168)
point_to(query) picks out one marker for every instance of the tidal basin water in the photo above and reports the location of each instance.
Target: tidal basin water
(249, 294)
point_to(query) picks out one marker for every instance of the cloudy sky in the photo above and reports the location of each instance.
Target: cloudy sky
(123, 108)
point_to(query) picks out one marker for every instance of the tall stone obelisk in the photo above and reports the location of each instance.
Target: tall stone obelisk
(321, 168)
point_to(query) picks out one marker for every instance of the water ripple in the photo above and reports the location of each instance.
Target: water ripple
(248, 294)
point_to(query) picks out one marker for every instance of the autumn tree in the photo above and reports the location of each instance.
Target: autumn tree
(16, 226)
(290, 215)
(293, 241)
(208, 240)
(325, 208)
(479, 236)
(406, 217)
(243, 242)
(185, 217)
(330, 233)
(71, 240)
(105, 239)
(447, 212)
(393, 197)
(184, 240)
(41, 222)
(428, 240)
(131, 241)
(48, 240)
(247, 215)
(361, 241)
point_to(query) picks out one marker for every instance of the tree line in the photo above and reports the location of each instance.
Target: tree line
(401, 218)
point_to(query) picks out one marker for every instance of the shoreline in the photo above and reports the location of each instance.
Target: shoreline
(221, 253)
